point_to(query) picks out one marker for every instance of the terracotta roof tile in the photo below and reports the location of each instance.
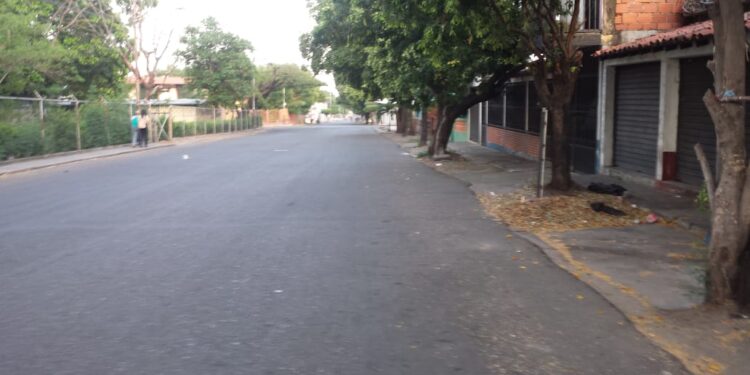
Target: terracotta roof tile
(684, 35)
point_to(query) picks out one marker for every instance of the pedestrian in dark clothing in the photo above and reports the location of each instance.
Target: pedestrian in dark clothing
(143, 125)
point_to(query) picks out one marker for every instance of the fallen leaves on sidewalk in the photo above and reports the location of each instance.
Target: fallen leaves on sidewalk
(572, 211)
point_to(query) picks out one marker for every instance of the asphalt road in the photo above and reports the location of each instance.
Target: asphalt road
(316, 250)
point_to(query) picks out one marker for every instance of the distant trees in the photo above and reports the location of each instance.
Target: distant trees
(217, 64)
(288, 85)
(416, 53)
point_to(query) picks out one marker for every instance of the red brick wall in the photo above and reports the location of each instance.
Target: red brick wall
(648, 14)
(432, 115)
(524, 143)
(460, 125)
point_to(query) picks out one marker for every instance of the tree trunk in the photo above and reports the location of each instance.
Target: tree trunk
(437, 142)
(424, 125)
(400, 126)
(409, 119)
(730, 226)
(559, 150)
(446, 119)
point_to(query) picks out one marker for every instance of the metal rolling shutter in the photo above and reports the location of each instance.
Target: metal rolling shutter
(695, 125)
(637, 117)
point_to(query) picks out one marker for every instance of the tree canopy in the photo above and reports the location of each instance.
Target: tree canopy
(43, 49)
(414, 52)
(217, 63)
(288, 83)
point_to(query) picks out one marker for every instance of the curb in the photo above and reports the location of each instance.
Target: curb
(56, 164)
(613, 296)
(177, 142)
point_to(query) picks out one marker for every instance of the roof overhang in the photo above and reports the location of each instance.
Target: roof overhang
(692, 35)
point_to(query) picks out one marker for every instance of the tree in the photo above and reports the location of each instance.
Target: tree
(351, 98)
(46, 47)
(290, 85)
(217, 63)
(141, 59)
(548, 29)
(414, 52)
(728, 273)
(27, 57)
(94, 68)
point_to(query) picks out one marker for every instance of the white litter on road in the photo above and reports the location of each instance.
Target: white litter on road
(278, 291)
(185, 157)
(438, 164)
(280, 150)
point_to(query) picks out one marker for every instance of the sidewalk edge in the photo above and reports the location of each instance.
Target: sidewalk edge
(56, 164)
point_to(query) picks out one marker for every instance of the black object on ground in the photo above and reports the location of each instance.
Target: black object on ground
(611, 189)
(601, 207)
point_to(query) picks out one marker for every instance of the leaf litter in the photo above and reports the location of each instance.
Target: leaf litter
(562, 212)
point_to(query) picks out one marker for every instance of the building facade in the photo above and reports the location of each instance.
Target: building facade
(638, 108)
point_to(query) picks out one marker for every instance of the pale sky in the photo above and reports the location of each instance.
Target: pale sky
(272, 26)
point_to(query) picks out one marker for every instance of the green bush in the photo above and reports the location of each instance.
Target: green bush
(28, 140)
(104, 125)
(60, 130)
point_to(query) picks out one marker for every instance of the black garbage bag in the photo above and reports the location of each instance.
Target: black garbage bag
(601, 207)
(611, 189)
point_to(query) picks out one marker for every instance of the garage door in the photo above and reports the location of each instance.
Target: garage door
(637, 117)
(695, 125)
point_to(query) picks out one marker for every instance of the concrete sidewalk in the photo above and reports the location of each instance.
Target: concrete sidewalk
(661, 263)
(53, 160)
(24, 165)
(652, 273)
(671, 203)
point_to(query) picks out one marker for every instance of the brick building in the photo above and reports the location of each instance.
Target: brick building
(637, 110)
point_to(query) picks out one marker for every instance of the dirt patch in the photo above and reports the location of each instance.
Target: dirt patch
(562, 212)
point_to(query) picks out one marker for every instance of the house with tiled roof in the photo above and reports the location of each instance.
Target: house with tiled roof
(166, 87)
(638, 109)
(651, 111)
(511, 122)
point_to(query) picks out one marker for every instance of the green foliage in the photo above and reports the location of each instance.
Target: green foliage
(27, 56)
(45, 52)
(60, 127)
(354, 99)
(217, 63)
(410, 51)
(104, 125)
(701, 200)
(19, 140)
(300, 86)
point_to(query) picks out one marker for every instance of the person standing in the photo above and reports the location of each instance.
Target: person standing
(143, 124)
(134, 130)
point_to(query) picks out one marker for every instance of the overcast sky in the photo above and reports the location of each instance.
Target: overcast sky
(272, 26)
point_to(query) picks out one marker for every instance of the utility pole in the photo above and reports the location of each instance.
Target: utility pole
(284, 92)
(253, 118)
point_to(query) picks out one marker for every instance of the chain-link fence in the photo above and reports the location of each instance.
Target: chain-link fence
(31, 127)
